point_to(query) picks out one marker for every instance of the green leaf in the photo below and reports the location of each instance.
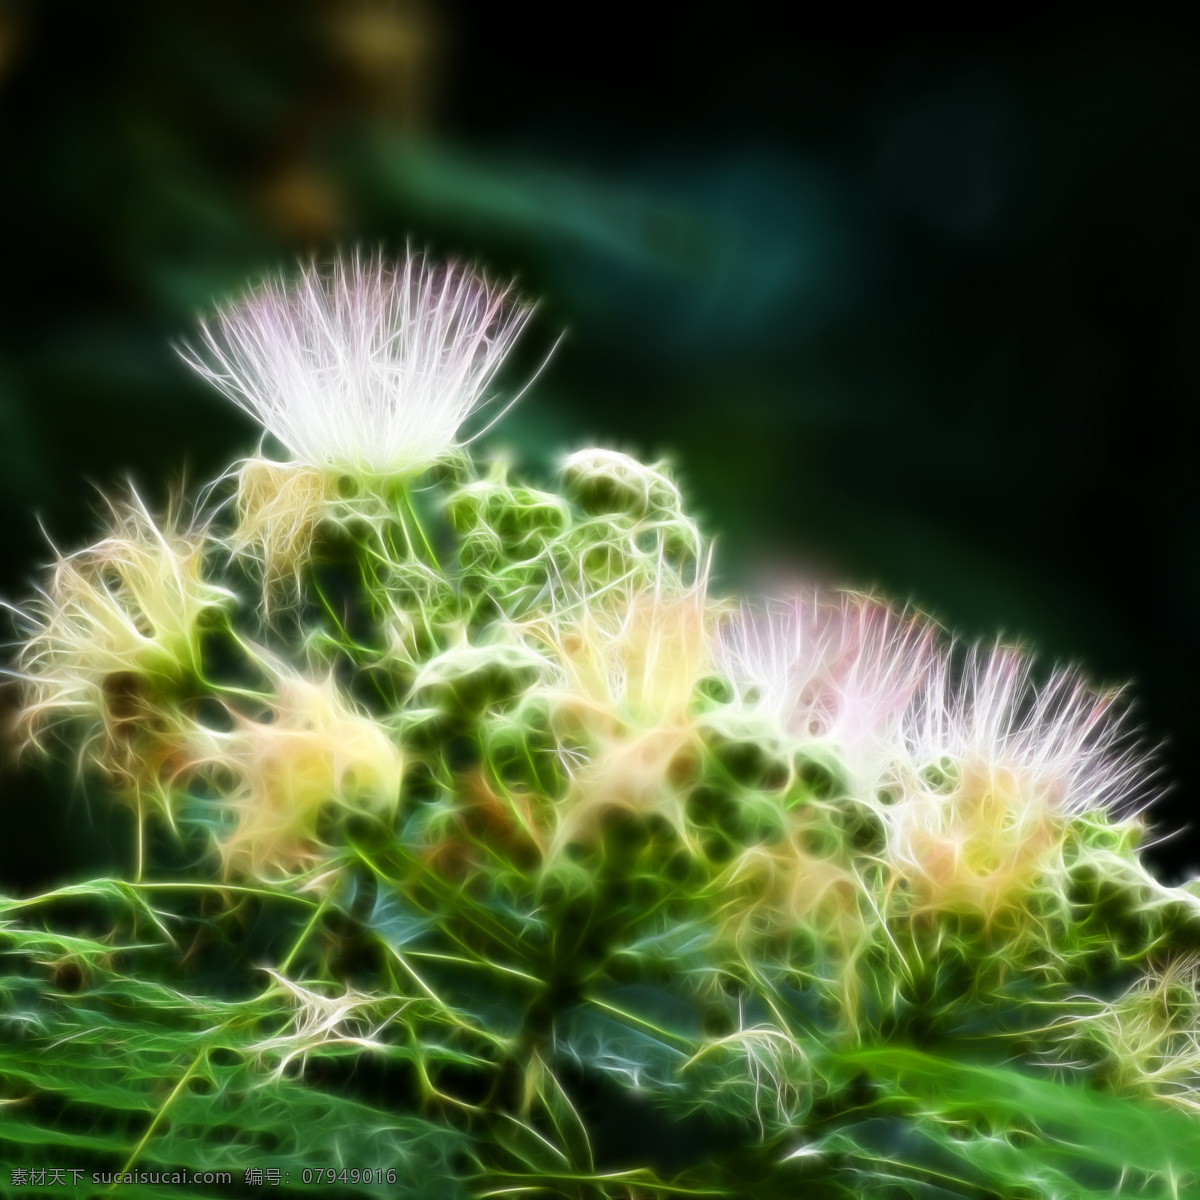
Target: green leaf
(1010, 1116)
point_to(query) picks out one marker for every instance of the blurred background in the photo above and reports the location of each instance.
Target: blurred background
(909, 305)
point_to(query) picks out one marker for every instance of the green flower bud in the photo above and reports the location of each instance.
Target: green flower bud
(469, 680)
(745, 749)
(606, 482)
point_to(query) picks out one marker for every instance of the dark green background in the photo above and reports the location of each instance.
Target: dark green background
(910, 304)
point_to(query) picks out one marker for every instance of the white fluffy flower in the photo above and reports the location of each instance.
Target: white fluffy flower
(324, 1021)
(837, 668)
(995, 764)
(367, 367)
(115, 618)
(1072, 744)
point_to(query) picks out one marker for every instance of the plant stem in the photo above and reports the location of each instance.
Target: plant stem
(158, 1116)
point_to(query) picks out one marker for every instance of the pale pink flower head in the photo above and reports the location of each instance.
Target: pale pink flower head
(995, 765)
(1072, 743)
(836, 668)
(367, 367)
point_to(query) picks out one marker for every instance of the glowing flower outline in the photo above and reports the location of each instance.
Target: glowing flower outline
(364, 367)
